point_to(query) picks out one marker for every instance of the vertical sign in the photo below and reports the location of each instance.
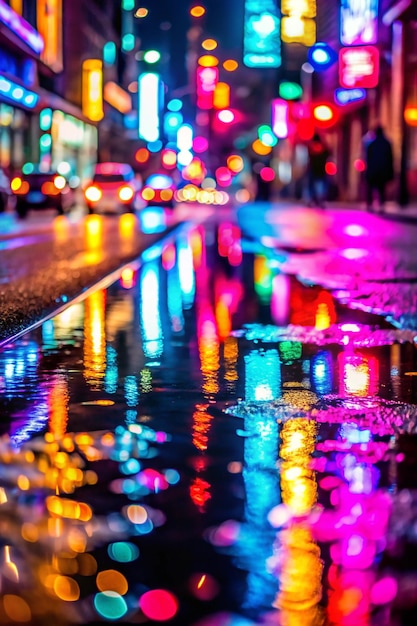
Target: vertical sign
(261, 44)
(298, 24)
(49, 23)
(358, 22)
(92, 89)
(280, 118)
(149, 105)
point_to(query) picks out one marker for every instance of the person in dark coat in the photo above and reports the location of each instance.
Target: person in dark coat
(318, 155)
(379, 167)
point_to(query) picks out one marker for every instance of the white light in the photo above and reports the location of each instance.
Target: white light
(184, 157)
(185, 137)
(149, 88)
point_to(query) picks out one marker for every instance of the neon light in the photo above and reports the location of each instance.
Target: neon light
(358, 22)
(298, 26)
(149, 105)
(280, 118)
(49, 22)
(117, 97)
(321, 56)
(359, 67)
(346, 96)
(261, 45)
(109, 53)
(92, 89)
(221, 98)
(21, 28)
(185, 138)
(14, 93)
(207, 78)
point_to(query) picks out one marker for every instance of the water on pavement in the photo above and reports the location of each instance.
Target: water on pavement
(209, 441)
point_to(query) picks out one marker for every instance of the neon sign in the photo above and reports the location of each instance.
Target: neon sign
(347, 96)
(149, 106)
(21, 28)
(14, 93)
(358, 22)
(92, 89)
(298, 25)
(280, 113)
(207, 78)
(359, 67)
(261, 43)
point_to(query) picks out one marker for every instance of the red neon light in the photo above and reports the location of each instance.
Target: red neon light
(359, 67)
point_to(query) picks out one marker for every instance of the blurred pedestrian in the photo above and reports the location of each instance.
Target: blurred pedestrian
(379, 167)
(318, 154)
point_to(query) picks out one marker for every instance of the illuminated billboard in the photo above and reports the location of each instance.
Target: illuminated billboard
(150, 103)
(261, 44)
(92, 89)
(359, 67)
(358, 22)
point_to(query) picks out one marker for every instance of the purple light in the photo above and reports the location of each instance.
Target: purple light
(21, 27)
(355, 230)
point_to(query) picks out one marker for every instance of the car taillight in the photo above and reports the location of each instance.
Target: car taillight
(19, 186)
(125, 193)
(48, 189)
(93, 193)
(166, 194)
(148, 193)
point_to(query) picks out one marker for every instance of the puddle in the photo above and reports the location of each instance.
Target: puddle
(209, 441)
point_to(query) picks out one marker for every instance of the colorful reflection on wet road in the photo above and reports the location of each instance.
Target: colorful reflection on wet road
(208, 441)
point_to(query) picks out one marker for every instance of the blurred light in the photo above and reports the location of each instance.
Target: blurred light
(226, 116)
(208, 60)
(151, 56)
(45, 119)
(325, 115)
(133, 87)
(209, 44)
(280, 118)
(358, 27)
(355, 230)
(321, 56)
(266, 136)
(221, 96)
(206, 77)
(267, 174)
(298, 29)
(154, 146)
(242, 196)
(128, 42)
(346, 96)
(128, 5)
(117, 97)
(172, 121)
(197, 11)
(230, 65)
(149, 105)
(184, 157)
(15, 93)
(290, 91)
(330, 168)
(142, 12)
(208, 183)
(169, 158)
(410, 115)
(235, 163)
(158, 605)
(200, 144)
(110, 605)
(260, 148)
(359, 67)
(142, 155)
(92, 89)
(261, 44)
(223, 176)
(174, 105)
(359, 165)
(109, 53)
(185, 137)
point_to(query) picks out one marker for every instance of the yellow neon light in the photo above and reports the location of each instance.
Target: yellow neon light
(302, 8)
(221, 96)
(296, 29)
(92, 93)
(49, 24)
(17, 5)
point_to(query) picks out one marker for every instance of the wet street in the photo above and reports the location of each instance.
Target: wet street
(223, 433)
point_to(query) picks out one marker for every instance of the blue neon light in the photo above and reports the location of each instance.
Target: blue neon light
(346, 96)
(321, 56)
(16, 94)
(262, 42)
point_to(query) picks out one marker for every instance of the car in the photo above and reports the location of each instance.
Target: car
(159, 190)
(114, 188)
(5, 190)
(41, 189)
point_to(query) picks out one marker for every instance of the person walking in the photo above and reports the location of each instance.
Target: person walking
(318, 154)
(379, 167)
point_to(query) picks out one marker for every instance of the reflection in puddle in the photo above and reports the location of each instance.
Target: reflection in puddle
(129, 489)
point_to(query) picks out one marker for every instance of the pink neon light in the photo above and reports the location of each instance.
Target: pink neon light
(280, 118)
(359, 67)
(21, 28)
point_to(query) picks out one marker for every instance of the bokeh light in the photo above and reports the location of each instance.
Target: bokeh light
(110, 605)
(159, 605)
(230, 65)
(197, 11)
